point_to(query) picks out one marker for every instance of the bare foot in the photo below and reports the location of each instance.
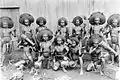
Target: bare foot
(112, 63)
(36, 74)
(101, 73)
(81, 72)
(32, 71)
(64, 70)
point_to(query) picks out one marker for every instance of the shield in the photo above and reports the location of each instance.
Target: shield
(8, 20)
(26, 16)
(97, 15)
(112, 17)
(42, 32)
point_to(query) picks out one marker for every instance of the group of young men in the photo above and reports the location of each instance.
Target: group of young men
(64, 48)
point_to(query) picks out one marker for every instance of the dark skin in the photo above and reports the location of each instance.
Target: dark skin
(26, 22)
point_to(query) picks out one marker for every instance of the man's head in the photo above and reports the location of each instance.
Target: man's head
(62, 22)
(41, 21)
(5, 24)
(97, 20)
(114, 22)
(26, 22)
(45, 37)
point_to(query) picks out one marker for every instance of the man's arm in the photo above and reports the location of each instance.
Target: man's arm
(106, 46)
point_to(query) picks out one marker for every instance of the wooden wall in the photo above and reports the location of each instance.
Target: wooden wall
(54, 9)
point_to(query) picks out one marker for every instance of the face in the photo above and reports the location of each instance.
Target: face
(26, 22)
(41, 22)
(73, 43)
(62, 23)
(95, 43)
(59, 40)
(45, 37)
(97, 20)
(5, 24)
(77, 22)
(115, 22)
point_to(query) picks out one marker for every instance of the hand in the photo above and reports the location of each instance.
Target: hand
(69, 41)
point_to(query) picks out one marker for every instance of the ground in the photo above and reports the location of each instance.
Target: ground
(58, 75)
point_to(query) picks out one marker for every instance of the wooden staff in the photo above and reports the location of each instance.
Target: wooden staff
(119, 43)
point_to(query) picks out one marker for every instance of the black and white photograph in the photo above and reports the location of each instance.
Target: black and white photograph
(59, 39)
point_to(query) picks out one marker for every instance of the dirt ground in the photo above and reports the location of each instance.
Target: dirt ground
(55, 75)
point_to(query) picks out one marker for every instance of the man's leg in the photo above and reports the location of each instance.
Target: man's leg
(3, 53)
(106, 46)
(81, 65)
(64, 65)
(90, 66)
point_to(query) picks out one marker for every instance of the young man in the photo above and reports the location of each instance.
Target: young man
(6, 25)
(114, 31)
(41, 21)
(26, 40)
(97, 44)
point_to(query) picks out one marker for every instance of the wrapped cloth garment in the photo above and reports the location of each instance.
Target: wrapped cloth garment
(97, 15)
